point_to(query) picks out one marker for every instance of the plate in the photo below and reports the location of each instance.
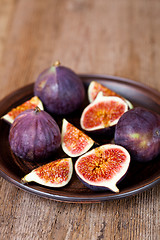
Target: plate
(140, 176)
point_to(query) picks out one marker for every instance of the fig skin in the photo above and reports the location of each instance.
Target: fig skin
(102, 136)
(60, 89)
(34, 135)
(138, 130)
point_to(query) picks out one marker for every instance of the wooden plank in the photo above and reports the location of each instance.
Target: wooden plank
(119, 38)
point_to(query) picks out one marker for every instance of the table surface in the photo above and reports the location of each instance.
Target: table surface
(120, 38)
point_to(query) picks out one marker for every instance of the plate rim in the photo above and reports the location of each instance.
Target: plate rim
(101, 76)
(89, 199)
(61, 198)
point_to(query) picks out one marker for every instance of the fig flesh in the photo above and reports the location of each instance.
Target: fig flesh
(74, 141)
(29, 104)
(138, 130)
(60, 89)
(54, 174)
(102, 113)
(34, 135)
(95, 87)
(102, 167)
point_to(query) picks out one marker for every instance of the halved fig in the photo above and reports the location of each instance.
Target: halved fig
(103, 112)
(54, 174)
(103, 167)
(74, 141)
(30, 104)
(95, 87)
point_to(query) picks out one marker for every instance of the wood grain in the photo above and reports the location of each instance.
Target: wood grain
(107, 37)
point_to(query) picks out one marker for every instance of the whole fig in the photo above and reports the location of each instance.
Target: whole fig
(138, 130)
(60, 89)
(34, 135)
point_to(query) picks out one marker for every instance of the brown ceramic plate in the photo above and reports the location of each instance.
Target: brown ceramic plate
(140, 176)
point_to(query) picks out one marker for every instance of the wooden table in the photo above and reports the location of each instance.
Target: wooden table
(119, 37)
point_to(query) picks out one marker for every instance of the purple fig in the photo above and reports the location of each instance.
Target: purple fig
(138, 130)
(34, 135)
(60, 89)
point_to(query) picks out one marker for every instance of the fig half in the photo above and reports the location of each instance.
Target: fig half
(102, 167)
(54, 174)
(74, 141)
(95, 87)
(60, 89)
(138, 130)
(29, 104)
(101, 116)
(34, 135)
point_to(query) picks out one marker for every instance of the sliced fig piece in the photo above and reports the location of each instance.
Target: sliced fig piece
(74, 141)
(30, 104)
(95, 87)
(102, 113)
(34, 135)
(138, 130)
(103, 167)
(54, 174)
(60, 89)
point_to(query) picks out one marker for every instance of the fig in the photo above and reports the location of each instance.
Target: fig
(95, 87)
(103, 167)
(29, 104)
(103, 114)
(54, 174)
(74, 141)
(60, 89)
(138, 130)
(34, 135)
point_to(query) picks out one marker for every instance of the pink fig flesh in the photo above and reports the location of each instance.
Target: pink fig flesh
(104, 112)
(102, 167)
(74, 141)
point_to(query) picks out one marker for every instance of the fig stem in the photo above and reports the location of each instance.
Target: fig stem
(96, 144)
(37, 109)
(23, 181)
(57, 63)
